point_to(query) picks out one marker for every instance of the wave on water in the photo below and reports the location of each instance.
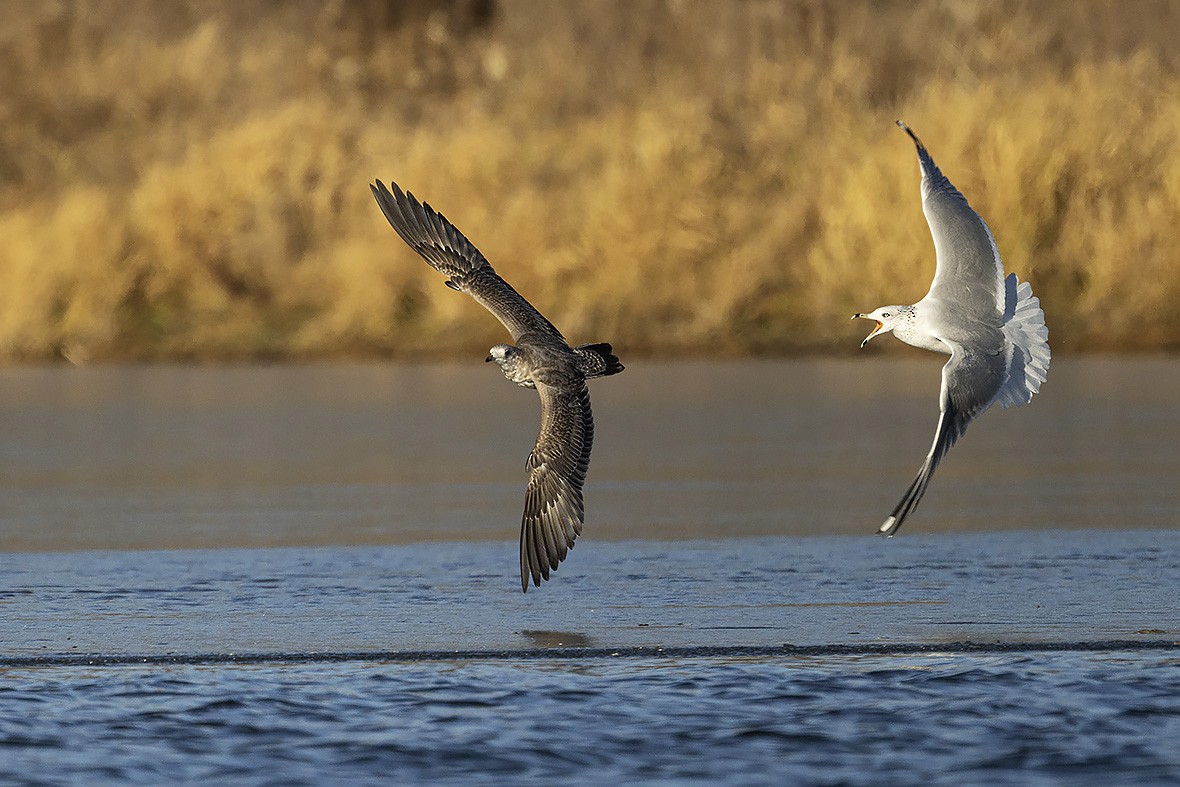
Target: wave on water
(592, 653)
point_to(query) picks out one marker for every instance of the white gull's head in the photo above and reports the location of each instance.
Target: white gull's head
(886, 317)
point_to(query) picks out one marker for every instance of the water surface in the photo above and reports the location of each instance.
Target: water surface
(1015, 587)
(1061, 718)
(309, 575)
(162, 457)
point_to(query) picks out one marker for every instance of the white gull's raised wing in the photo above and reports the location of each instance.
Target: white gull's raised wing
(968, 270)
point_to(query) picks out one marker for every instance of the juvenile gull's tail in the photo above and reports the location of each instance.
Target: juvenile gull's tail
(597, 360)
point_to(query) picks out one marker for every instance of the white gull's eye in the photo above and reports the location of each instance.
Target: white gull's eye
(884, 314)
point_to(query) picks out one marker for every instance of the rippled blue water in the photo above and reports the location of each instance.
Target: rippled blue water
(1058, 663)
(940, 718)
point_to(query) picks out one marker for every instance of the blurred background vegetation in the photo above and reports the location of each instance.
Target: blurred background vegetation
(679, 177)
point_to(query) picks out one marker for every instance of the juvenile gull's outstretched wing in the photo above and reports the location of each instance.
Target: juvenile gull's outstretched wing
(968, 272)
(971, 381)
(553, 512)
(467, 270)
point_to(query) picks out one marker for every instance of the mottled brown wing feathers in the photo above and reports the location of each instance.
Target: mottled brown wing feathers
(553, 512)
(446, 250)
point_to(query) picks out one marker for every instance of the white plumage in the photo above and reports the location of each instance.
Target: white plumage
(992, 326)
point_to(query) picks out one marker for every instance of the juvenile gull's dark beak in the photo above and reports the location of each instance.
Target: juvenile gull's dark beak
(489, 359)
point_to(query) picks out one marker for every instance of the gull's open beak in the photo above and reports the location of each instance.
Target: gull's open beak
(876, 329)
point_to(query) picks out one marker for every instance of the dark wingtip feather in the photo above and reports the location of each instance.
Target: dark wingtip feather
(391, 204)
(383, 197)
(917, 142)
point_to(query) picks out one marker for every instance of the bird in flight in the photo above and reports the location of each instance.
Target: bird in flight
(992, 327)
(540, 359)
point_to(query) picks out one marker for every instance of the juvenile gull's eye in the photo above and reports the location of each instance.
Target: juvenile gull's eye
(884, 314)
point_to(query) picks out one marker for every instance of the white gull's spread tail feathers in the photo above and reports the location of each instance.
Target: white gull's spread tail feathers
(1024, 326)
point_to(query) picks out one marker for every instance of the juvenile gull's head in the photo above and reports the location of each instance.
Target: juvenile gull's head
(510, 361)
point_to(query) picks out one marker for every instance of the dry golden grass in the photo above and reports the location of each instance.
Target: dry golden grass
(675, 176)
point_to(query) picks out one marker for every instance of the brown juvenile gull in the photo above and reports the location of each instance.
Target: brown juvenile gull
(991, 326)
(540, 359)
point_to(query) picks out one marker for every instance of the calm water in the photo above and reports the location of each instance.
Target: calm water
(160, 457)
(726, 617)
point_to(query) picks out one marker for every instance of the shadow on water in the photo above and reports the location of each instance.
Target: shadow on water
(557, 639)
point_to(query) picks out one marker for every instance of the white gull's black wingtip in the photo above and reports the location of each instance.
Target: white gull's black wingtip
(901, 124)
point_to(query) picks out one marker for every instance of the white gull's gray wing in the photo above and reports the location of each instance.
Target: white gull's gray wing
(970, 383)
(968, 271)
(553, 511)
(467, 270)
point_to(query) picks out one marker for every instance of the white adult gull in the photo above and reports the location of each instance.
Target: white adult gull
(540, 359)
(991, 326)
